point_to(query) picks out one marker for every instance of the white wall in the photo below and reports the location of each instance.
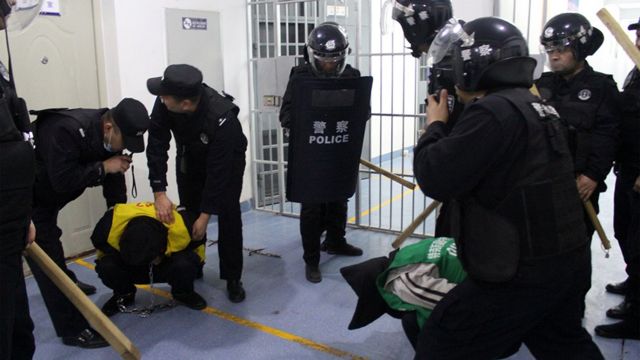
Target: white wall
(132, 37)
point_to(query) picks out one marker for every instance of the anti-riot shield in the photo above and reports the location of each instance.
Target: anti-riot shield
(325, 139)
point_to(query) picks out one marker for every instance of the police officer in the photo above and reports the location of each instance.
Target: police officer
(132, 245)
(626, 212)
(325, 57)
(210, 161)
(522, 237)
(77, 149)
(17, 172)
(586, 100)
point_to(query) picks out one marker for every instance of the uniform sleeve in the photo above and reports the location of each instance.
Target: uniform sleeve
(448, 165)
(62, 157)
(604, 134)
(285, 109)
(100, 235)
(114, 189)
(220, 163)
(158, 147)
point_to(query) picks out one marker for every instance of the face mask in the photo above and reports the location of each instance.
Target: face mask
(108, 146)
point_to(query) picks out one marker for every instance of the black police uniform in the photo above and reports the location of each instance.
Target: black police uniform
(16, 187)
(210, 163)
(69, 155)
(626, 213)
(315, 218)
(499, 168)
(589, 104)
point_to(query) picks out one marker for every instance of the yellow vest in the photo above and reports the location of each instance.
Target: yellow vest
(178, 237)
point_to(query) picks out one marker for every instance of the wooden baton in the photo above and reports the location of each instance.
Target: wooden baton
(96, 318)
(621, 36)
(414, 224)
(388, 174)
(591, 212)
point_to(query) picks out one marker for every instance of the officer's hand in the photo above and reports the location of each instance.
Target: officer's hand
(200, 227)
(116, 164)
(437, 110)
(31, 234)
(636, 185)
(586, 186)
(164, 207)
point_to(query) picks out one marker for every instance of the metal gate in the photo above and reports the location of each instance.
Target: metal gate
(277, 35)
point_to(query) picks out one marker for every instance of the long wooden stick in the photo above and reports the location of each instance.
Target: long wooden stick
(96, 318)
(388, 174)
(591, 212)
(621, 36)
(412, 227)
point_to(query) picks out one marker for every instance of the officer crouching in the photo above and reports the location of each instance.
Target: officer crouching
(135, 248)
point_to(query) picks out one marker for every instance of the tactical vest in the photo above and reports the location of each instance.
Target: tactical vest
(540, 217)
(178, 236)
(193, 150)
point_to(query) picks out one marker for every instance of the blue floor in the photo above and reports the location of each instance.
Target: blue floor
(284, 316)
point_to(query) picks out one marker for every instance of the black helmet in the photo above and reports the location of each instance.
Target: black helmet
(421, 20)
(574, 31)
(493, 54)
(327, 49)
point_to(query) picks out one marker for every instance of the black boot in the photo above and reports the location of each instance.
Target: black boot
(111, 307)
(87, 338)
(625, 329)
(620, 311)
(618, 288)
(312, 273)
(235, 291)
(86, 288)
(192, 300)
(340, 248)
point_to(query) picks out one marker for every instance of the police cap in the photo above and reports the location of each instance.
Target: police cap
(179, 80)
(132, 119)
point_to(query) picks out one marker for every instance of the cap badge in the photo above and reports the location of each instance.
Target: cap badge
(331, 45)
(548, 32)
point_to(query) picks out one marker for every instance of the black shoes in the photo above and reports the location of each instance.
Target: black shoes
(110, 308)
(235, 292)
(626, 329)
(619, 311)
(618, 288)
(86, 288)
(312, 273)
(342, 248)
(192, 300)
(87, 338)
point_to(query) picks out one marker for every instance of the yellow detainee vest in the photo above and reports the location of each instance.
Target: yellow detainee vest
(178, 234)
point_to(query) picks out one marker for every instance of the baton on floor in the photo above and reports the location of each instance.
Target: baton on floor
(414, 224)
(96, 318)
(388, 174)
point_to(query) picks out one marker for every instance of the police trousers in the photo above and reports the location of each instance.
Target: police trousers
(315, 218)
(540, 307)
(179, 270)
(626, 224)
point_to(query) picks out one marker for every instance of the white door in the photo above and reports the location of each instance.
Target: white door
(55, 66)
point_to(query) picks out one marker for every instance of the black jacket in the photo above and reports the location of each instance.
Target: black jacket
(628, 156)
(589, 103)
(210, 152)
(69, 155)
(304, 71)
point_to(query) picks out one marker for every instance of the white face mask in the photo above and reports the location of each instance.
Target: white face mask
(108, 146)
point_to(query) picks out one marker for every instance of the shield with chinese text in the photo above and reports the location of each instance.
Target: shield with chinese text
(329, 117)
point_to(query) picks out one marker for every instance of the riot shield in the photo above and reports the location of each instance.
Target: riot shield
(329, 117)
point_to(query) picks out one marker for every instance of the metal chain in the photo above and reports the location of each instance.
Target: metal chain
(144, 312)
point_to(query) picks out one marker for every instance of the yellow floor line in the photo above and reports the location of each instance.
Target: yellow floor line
(251, 324)
(383, 204)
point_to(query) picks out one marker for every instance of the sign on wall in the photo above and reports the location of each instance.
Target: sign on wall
(194, 23)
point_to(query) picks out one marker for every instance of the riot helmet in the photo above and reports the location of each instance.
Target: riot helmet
(421, 20)
(487, 52)
(571, 30)
(327, 49)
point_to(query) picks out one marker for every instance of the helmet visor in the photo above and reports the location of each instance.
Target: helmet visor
(448, 35)
(556, 45)
(327, 64)
(23, 12)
